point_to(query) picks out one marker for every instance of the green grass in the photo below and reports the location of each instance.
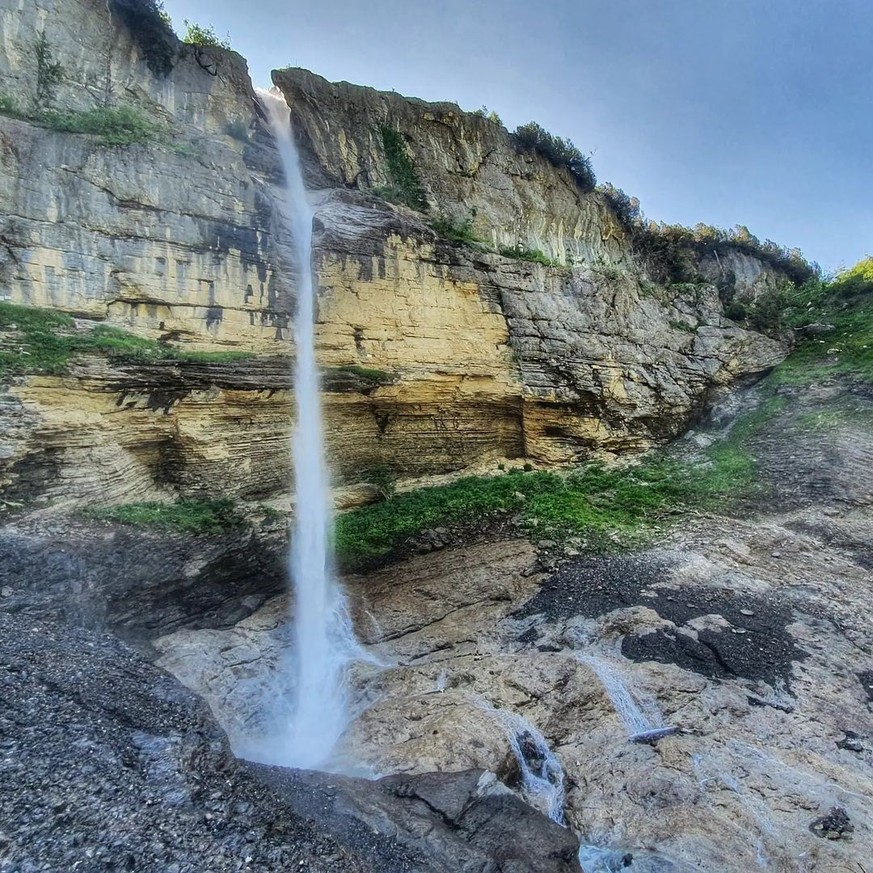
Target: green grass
(113, 126)
(519, 253)
(369, 373)
(847, 350)
(188, 516)
(40, 344)
(609, 507)
(122, 125)
(45, 341)
(830, 419)
(458, 230)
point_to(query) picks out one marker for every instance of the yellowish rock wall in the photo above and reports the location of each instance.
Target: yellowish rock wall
(436, 356)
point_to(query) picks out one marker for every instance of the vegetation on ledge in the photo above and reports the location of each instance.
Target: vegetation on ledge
(36, 340)
(371, 374)
(607, 507)
(119, 125)
(404, 183)
(111, 126)
(459, 230)
(520, 253)
(187, 516)
(558, 151)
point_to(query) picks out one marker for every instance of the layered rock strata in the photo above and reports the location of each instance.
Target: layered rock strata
(438, 355)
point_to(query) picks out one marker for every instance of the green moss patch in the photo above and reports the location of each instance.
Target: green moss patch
(369, 373)
(188, 516)
(404, 183)
(45, 341)
(520, 253)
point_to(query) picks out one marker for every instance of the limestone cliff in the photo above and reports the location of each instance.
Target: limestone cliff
(437, 355)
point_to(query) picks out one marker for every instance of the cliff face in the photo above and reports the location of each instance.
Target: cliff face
(467, 164)
(171, 236)
(437, 355)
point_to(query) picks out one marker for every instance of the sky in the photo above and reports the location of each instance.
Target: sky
(755, 112)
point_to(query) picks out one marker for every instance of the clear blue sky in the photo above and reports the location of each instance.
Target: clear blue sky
(755, 112)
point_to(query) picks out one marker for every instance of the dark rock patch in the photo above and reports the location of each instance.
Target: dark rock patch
(531, 635)
(595, 586)
(833, 826)
(106, 763)
(457, 821)
(851, 742)
(720, 655)
(757, 646)
(142, 584)
(866, 679)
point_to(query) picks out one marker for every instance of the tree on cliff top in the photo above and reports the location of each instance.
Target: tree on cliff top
(204, 36)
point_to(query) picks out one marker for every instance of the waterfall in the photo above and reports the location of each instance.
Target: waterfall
(542, 776)
(542, 783)
(324, 643)
(639, 713)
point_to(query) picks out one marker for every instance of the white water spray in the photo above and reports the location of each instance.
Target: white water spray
(324, 641)
(542, 776)
(639, 713)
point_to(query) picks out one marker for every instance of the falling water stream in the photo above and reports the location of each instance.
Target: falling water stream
(542, 776)
(306, 734)
(638, 712)
(324, 642)
(542, 784)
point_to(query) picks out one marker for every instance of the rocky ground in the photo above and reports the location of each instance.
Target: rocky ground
(107, 763)
(748, 633)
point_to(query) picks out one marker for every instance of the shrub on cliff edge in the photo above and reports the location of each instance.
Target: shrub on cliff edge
(204, 36)
(150, 28)
(558, 151)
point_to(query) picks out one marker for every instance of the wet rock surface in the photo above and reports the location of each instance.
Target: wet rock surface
(743, 641)
(107, 763)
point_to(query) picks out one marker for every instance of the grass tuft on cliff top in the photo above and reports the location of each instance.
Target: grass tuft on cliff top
(188, 516)
(34, 340)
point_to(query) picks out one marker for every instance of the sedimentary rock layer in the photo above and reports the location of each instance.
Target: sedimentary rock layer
(437, 355)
